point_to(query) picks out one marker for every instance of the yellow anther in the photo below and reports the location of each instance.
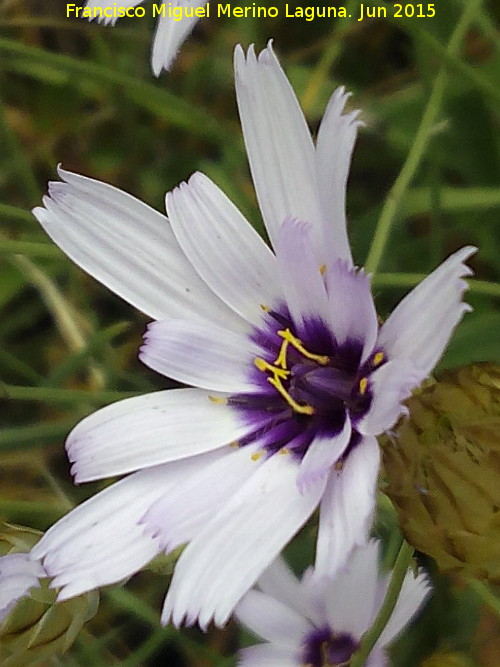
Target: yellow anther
(235, 444)
(283, 451)
(297, 407)
(263, 365)
(218, 399)
(288, 336)
(378, 358)
(265, 308)
(363, 385)
(322, 269)
(339, 465)
(256, 456)
(281, 359)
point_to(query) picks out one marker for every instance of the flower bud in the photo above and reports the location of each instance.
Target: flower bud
(443, 471)
(37, 627)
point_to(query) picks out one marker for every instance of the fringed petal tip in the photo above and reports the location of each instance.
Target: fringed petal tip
(171, 616)
(337, 102)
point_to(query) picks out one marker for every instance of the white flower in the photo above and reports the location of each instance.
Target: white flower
(293, 377)
(171, 30)
(18, 575)
(319, 623)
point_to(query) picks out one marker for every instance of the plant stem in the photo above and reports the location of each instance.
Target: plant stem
(412, 279)
(62, 395)
(31, 248)
(403, 561)
(419, 146)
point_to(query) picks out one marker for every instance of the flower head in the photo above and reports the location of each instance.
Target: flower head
(442, 467)
(176, 19)
(319, 623)
(292, 376)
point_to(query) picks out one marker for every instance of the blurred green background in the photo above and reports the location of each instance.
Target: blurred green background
(83, 94)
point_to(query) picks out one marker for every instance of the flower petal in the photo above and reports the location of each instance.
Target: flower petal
(350, 597)
(279, 582)
(102, 4)
(278, 142)
(130, 248)
(18, 575)
(224, 561)
(148, 430)
(267, 655)
(171, 33)
(347, 507)
(390, 385)
(272, 620)
(377, 658)
(206, 356)
(411, 597)
(301, 277)
(223, 247)
(421, 325)
(334, 146)
(352, 311)
(322, 453)
(181, 513)
(102, 540)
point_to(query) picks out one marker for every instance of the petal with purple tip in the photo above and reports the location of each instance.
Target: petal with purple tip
(352, 311)
(390, 385)
(301, 276)
(206, 356)
(321, 454)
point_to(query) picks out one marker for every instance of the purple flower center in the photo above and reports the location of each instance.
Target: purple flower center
(308, 385)
(324, 648)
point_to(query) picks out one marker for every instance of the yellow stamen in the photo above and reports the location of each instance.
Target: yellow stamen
(378, 358)
(322, 269)
(288, 336)
(301, 409)
(281, 359)
(363, 385)
(339, 465)
(263, 365)
(265, 308)
(218, 399)
(256, 456)
(283, 451)
(235, 444)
